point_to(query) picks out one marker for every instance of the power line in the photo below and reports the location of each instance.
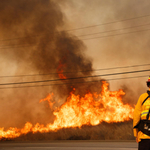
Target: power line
(112, 30)
(116, 34)
(84, 39)
(75, 77)
(83, 27)
(20, 45)
(62, 84)
(108, 23)
(78, 71)
(127, 77)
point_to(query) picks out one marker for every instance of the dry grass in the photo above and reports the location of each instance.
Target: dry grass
(103, 131)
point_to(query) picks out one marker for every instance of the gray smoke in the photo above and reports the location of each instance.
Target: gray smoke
(34, 44)
(115, 51)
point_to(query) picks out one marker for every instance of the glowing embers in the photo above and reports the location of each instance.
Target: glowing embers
(92, 109)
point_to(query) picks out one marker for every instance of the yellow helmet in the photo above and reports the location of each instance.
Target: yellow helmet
(148, 79)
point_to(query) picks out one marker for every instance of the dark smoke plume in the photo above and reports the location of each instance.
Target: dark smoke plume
(43, 47)
(37, 45)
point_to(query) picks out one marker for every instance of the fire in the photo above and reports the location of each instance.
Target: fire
(92, 109)
(60, 70)
(49, 99)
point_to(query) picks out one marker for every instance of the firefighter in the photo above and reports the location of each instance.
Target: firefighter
(141, 120)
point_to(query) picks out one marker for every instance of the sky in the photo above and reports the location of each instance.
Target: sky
(45, 36)
(112, 51)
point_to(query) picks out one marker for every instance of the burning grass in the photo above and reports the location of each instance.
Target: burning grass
(103, 131)
(79, 116)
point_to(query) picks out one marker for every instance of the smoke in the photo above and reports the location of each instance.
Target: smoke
(43, 46)
(114, 51)
(32, 41)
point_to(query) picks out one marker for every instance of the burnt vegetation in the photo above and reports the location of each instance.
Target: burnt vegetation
(103, 131)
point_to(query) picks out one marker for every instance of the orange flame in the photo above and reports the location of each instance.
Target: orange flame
(49, 99)
(60, 71)
(92, 109)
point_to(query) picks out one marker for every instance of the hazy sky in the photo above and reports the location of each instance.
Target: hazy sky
(104, 52)
(114, 51)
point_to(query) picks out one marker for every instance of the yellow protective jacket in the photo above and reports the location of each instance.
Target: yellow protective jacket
(140, 112)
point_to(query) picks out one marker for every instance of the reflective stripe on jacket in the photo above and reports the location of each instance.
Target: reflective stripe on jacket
(141, 112)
